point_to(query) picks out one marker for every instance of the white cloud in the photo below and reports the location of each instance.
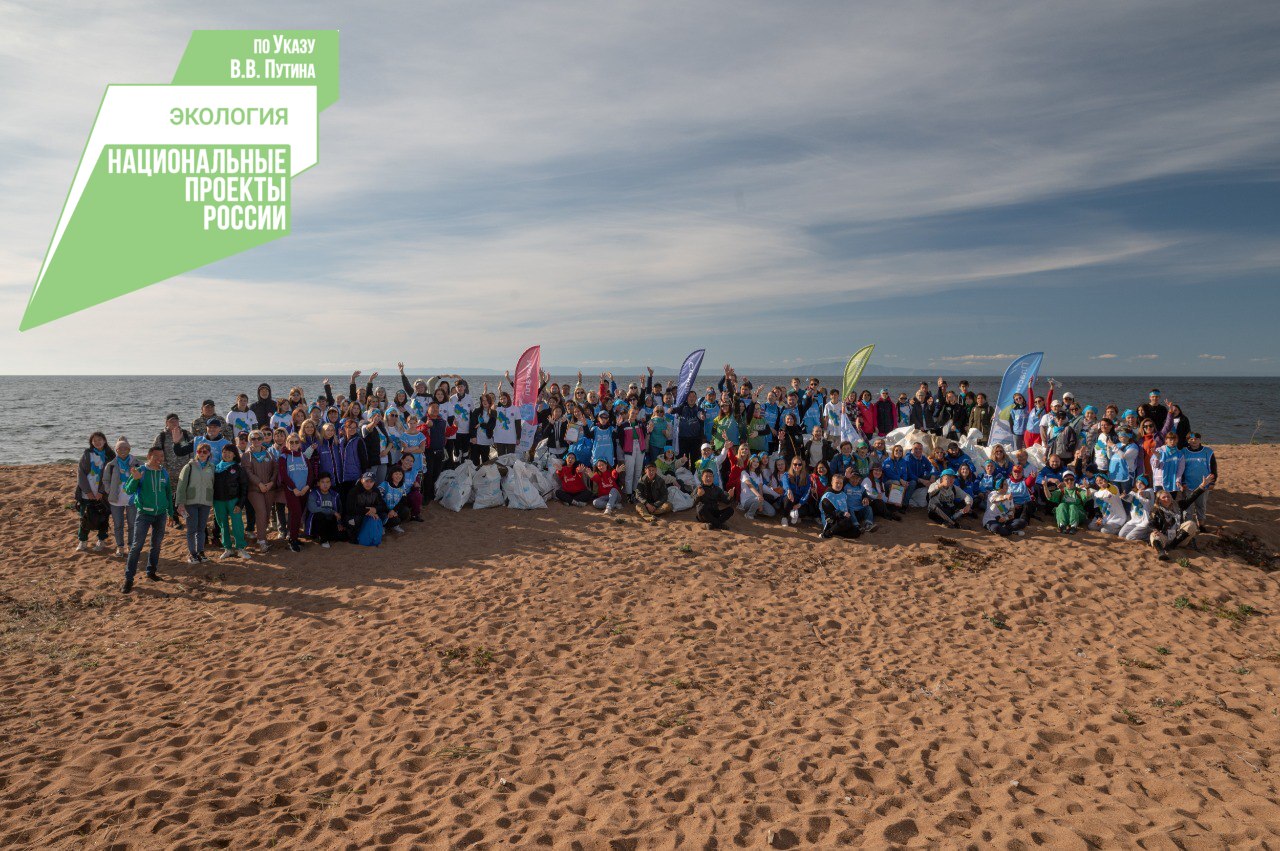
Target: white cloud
(1145, 357)
(648, 182)
(1104, 357)
(1213, 357)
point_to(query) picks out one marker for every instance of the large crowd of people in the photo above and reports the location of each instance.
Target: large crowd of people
(353, 467)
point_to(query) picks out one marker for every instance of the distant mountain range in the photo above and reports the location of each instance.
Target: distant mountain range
(629, 371)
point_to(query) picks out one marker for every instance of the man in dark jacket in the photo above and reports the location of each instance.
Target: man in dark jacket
(651, 494)
(264, 406)
(711, 504)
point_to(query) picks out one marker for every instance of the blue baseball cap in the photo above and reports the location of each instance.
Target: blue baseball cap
(947, 472)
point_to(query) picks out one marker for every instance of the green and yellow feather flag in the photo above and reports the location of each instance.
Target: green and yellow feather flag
(853, 369)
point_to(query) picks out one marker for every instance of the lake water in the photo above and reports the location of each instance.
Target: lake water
(49, 418)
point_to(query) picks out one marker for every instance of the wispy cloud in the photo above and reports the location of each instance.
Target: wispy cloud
(1213, 357)
(624, 195)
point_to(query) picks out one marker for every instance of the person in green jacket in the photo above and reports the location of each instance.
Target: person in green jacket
(149, 488)
(194, 497)
(980, 416)
(1068, 501)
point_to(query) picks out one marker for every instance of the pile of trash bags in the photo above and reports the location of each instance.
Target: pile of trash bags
(511, 481)
(508, 481)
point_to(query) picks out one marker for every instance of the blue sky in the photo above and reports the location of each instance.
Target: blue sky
(780, 183)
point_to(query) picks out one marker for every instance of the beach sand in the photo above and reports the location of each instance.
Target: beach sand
(562, 679)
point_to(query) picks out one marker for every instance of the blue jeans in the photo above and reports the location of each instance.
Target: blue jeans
(197, 519)
(144, 525)
(122, 519)
(862, 514)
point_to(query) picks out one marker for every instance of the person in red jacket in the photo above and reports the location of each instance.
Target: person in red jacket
(605, 479)
(737, 462)
(573, 484)
(295, 474)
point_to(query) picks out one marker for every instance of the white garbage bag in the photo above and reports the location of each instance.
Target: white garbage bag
(453, 487)
(686, 479)
(487, 484)
(520, 487)
(898, 437)
(680, 501)
(547, 483)
(509, 460)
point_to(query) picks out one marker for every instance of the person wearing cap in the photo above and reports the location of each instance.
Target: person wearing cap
(954, 456)
(1060, 438)
(1140, 501)
(1001, 515)
(207, 409)
(948, 504)
(651, 494)
(887, 414)
(1068, 501)
(213, 437)
(194, 498)
(709, 460)
(364, 500)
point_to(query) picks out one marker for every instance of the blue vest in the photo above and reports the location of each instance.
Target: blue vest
(1198, 466)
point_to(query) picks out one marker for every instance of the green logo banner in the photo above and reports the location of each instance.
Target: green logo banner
(174, 177)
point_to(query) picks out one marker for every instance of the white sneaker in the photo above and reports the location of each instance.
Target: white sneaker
(99, 547)
(795, 517)
(399, 530)
(192, 560)
(243, 554)
(324, 545)
(870, 527)
(783, 520)
(82, 547)
(227, 554)
(608, 509)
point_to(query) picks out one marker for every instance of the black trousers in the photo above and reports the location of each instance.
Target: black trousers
(845, 527)
(711, 515)
(324, 528)
(433, 461)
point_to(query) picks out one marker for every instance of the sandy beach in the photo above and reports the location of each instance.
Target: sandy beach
(557, 678)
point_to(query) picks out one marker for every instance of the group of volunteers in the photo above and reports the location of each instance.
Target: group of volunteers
(351, 467)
